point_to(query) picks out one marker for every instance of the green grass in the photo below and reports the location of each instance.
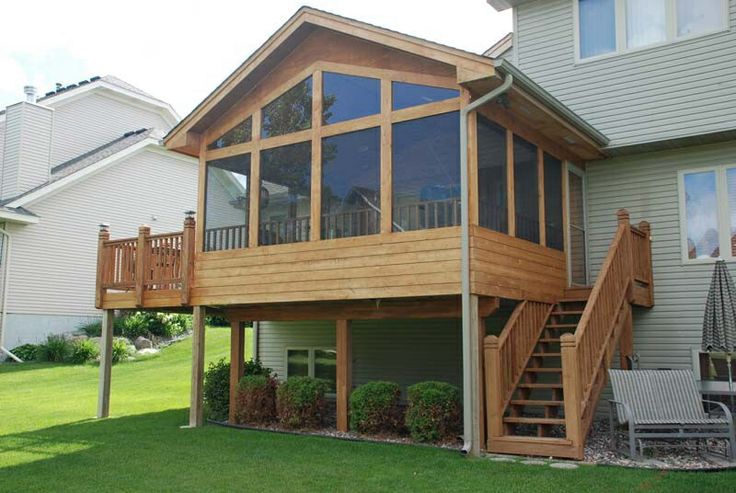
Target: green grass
(48, 442)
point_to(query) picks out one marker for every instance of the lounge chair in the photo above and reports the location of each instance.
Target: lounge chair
(657, 404)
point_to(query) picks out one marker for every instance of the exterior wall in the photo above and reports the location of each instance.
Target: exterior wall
(83, 124)
(27, 148)
(646, 184)
(2, 142)
(675, 90)
(52, 270)
(403, 351)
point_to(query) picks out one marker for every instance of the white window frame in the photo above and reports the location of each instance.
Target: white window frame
(621, 48)
(311, 359)
(723, 216)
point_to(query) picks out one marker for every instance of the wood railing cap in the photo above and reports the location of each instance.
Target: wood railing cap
(622, 215)
(490, 341)
(567, 340)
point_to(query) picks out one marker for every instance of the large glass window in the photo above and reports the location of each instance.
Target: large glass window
(526, 190)
(597, 27)
(554, 232)
(426, 172)
(405, 95)
(227, 203)
(492, 183)
(285, 194)
(701, 215)
(297, 363)
(239, 134)
(325, 367)
(290, 112)
(313, 362)
(351, 184)
(345, 97)
(699, 16)
(646, 22)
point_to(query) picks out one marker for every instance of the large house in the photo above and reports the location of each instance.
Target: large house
(390, 208)
(80, 155)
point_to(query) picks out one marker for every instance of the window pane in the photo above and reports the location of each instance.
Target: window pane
(597, 27)
(701, 215)
(553, 202)
(325, 367)
(492, 191)
(351, 184)
(240, 133)
(290, 112)
(345, 97)
(227, 203)
(405, 95)
(297, 363)
(645, 22)
(285, 194)
(426, 172)
(731, 185)
(526, 190)
(699, 16)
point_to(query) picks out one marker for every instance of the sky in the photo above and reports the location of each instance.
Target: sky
(180, 51)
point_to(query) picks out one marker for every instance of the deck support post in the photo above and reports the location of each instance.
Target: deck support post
(626, 340)
(141, 260)
(237, 360)
(344, 372)
(196, 414)
(102, 237)
(103, 395)
(573, 393)
(477, 426)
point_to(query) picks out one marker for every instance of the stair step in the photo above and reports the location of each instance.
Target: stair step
(546, 355)
(543, 370)
(530, 402)
(534, 421)
(568, 312)
(561, 326)
(540, 385)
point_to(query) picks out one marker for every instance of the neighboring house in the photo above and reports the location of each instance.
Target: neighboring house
(79, 156)
(658, 78)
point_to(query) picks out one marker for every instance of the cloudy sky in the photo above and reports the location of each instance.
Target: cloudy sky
(179, 51)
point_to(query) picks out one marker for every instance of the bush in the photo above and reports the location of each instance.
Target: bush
(26, 352)
(94, 329)
(146, 324)
(434, 411)
(56, 349)
(300, 402)
(256, 402)
(374, 408)
(217, 386)
(120, 350)
(216, 321)
(83, 351)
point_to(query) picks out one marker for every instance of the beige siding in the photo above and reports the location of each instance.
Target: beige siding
(93, 120)
(647, 185)
(679, 89)
(26, 153)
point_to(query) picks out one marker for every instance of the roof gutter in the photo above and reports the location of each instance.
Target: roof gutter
(525, 83)
(471, 363)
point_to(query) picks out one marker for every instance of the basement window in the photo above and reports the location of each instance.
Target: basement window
(313, 362)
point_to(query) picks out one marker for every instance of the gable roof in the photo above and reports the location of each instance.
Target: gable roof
(500, 47)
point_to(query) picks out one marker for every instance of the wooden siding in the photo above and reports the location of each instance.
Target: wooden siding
(417, 263)
(514, 268)
(674, 90)
(646, 185)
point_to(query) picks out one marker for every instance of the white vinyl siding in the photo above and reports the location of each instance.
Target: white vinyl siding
(647, 185)
(663, 92)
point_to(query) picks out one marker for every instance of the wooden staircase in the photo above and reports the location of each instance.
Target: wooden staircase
(545, 371)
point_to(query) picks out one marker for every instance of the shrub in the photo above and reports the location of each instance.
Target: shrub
(146, 324)
(217, 386)
(56, 349)
(216, 321)
(120, 350)
(300, 402)
(83, 351)
(256, 402)
(434, 411)
(255, 367)
(94, 329)
(26, 352)
(374, 408)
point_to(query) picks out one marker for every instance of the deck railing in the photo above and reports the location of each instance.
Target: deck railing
(427, 214)
(225, 238)
(358, 222)
(289, 230)
(145, 263)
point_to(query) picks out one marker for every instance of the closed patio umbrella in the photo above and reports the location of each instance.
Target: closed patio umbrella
(719, 322)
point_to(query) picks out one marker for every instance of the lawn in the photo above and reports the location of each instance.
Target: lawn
(48, 442)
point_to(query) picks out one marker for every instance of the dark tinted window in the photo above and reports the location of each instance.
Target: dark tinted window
(240, 133)
(492, 191)
(351, 183)
(290, 112)
(553, 202)
(405, 95)
(345, 97)
(285, 194)
(426, 172)
(526, 190)
(227, 203)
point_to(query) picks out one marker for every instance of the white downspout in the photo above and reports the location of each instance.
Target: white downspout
(6, 284)
(468, 377)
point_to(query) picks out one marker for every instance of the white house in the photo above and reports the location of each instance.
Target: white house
(81, 155)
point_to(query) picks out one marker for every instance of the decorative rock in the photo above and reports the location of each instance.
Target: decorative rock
(147, 351)
(534, 462)
(563, 465)
(501, 459)
(142, 343)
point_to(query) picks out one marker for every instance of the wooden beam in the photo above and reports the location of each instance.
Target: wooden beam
(196, 414)
(476, 341)
(255, 187)
(102, 263)
(511, 197)
(386, 180)
(103, 393)
(344, 373)
(201, 200)
(316, 192)
(540, 199)
(473, 200)
(141, 259)
(237, 360)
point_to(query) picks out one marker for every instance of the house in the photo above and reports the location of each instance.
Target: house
(385, 207)
(80, 155)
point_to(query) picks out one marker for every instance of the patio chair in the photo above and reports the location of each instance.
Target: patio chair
(659, 404)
